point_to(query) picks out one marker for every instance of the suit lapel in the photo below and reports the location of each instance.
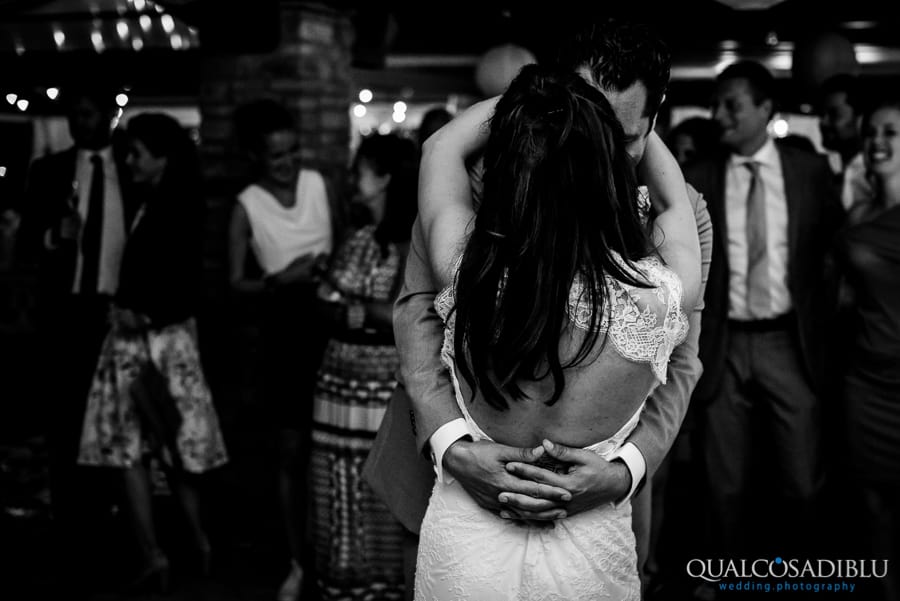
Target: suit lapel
(717, 210)
(794, 197)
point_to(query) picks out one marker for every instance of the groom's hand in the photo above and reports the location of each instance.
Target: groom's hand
(481, 469)
(592, 480)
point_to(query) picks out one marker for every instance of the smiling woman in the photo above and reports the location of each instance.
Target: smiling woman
(151, 351)
(283, 221)
(869, 254)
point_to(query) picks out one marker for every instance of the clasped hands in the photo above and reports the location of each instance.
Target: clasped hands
(510, 482)
(304, 268)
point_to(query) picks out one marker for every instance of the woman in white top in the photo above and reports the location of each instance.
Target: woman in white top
(561, 311)
(285, 220)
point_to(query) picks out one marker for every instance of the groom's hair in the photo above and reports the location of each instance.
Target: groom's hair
(558, 204)
(617, 54)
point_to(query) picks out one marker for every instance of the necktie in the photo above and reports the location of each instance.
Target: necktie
(92, 234)
(759, 300)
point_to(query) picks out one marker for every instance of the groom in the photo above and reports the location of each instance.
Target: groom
(424, 434)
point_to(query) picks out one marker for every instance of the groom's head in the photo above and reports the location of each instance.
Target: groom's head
(630, 65)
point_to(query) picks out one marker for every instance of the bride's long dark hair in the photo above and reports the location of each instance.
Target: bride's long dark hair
(560, 196)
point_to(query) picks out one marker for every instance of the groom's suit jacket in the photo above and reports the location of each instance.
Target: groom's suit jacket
(814, 214)
(398, 469)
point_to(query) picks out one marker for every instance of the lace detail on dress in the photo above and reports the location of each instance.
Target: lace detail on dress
(631, 319)
(468, 553)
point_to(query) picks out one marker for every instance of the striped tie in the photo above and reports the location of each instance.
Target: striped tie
(759, 297)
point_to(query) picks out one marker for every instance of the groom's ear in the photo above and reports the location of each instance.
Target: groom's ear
(652, 123)
(656, 114)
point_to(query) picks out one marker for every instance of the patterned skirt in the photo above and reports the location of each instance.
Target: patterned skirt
(112, 435)
(357, 540)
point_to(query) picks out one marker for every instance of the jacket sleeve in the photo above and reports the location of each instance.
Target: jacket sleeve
(419, 335)
(667, 406)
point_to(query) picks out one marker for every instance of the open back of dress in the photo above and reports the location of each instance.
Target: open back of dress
(466, 552)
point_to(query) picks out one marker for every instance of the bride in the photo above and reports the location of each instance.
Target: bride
(561, 308)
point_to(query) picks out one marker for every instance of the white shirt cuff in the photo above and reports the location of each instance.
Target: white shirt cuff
(441, 440)
(637, 467)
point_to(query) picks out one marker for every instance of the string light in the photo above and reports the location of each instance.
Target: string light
(59, 37)
(168, 23)
(52, 93)
(22, 104)
(365, 95)
(399, 107)
(97, 41)
(121, 99)
(11, 98)
(359, 110)
(122, 30)
(146, 22)
(780, 127)
(137, 43)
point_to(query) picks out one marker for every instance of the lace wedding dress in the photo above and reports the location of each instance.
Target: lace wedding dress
(468, 553)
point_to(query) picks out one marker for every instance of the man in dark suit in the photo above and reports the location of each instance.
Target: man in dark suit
(841, 104)
(631, 66)
(74, 229)
(774, 209)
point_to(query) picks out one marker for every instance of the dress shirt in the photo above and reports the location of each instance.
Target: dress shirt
(737, 187)
(113, 236)
(855, 186)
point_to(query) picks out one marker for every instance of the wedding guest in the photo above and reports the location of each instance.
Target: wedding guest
(75, 221)
(285, 220)
(149, 396)
(840, 110)
(869, 254)
(774, 211)
(357, 539)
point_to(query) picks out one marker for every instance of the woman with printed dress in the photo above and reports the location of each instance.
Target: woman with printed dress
(561, 311)
(358, 542)
(153, 332)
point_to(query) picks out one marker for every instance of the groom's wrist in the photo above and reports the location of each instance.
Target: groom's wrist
(458, 455)
(443, 439)
(635, 468)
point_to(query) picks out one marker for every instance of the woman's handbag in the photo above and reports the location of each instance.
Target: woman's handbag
(157, 410)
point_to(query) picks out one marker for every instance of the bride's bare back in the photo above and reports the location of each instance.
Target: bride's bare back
(603, 391)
